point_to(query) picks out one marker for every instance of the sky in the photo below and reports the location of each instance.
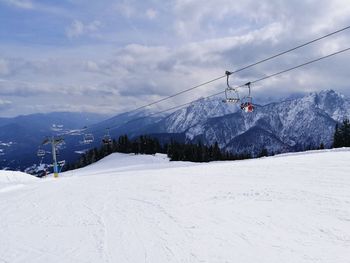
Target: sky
(114, 56)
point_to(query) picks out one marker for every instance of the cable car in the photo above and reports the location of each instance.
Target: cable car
(88, 138)
(106, 140)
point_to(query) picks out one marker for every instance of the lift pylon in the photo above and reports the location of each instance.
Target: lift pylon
(54, 141)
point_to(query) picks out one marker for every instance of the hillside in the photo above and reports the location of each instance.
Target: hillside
(126, 208)
(10, 180)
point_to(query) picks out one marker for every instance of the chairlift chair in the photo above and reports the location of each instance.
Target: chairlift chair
(61, 163)
(40, 153)
(231, 94)
(247, 101)
(106, 140)
(88, 138)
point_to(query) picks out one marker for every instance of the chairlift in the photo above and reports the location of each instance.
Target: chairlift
(57, 127)
(88, 138)
(231, 94)
(247, 101)
(40, 153)
(106, 140)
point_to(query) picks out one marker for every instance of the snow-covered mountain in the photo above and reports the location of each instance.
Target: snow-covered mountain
(196, 113)
(294, 124)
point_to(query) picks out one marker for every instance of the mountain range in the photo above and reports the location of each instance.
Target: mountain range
(290, 125)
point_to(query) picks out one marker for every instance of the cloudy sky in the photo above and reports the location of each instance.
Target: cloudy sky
(112, 56)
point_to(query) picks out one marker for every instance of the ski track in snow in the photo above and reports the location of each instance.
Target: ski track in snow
(288, 208)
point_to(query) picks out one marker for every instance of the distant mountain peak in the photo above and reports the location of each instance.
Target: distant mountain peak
(292, 124)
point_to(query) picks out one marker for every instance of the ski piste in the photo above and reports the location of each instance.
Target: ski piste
(142, 208)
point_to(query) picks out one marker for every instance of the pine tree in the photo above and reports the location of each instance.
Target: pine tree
(346, 133)
(217, 152)
(198, 152)
(342, 135)
(337, 137)
(263, 153)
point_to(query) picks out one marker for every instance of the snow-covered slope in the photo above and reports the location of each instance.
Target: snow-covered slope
(10, 180)
(118, 162)
(289, 208)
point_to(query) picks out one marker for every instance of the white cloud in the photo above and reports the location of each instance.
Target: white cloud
(5, 104)
(214, 36)
(93, 26)
(24, 4)
(4, 68)
(214, 18)
(125, 9)
(92, 66)
(77, 28)
(151, 13)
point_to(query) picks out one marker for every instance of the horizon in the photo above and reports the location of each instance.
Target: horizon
(110, 57)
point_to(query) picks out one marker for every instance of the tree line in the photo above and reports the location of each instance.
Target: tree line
(342, 134)
(193, 152)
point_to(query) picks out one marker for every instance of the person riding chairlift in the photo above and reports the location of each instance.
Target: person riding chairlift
(247, 107)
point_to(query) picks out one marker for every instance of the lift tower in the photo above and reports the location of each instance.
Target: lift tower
(54, 141)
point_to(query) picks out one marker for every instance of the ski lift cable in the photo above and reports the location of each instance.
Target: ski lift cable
(244, 85)
(241, 69)
(236, 71)
(244, 68)
(301, 65)
(239, 86)
(179, 93)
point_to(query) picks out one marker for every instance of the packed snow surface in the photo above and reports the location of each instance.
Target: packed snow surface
(10, 180)
(125, 208)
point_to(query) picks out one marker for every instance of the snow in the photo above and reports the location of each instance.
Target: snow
(127, 208)
(10, 180)
(8, 144)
